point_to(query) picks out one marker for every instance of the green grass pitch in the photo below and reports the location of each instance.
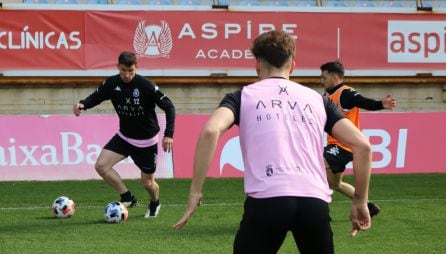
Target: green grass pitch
(412, 220)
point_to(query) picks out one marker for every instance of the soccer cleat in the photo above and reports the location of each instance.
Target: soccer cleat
(373, 209)
(130, 203)
(153, 210)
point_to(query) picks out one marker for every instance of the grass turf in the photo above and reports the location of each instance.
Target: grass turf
(413, 218)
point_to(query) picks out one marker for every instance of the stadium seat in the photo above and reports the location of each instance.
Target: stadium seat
(427, 4)
(277, 3)
(364, 4)
(35, 1)
(136, 2)
(160, 2)
(66, 2)
(335, 3)
(223, 2)
(189, 2)
(393, 4)
(249, 3)
(97, 2)
(306, 3)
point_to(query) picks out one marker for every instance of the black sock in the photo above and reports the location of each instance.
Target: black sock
(126, 196)
(154, 203)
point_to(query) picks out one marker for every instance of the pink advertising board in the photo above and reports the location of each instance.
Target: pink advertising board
(401, 142)
(66, 147)
(61, 148)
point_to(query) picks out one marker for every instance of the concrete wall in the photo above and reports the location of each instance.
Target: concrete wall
(197, 99)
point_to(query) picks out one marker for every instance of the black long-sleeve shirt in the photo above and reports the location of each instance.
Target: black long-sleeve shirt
(135, 104)
(351, 98)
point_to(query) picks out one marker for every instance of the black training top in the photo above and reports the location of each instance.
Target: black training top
(233, 100)
(135, 104)
(350, 98)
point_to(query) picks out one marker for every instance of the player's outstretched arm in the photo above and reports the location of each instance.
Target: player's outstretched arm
(77, 108)
(389, 102)
(220, 121)
(348, 134)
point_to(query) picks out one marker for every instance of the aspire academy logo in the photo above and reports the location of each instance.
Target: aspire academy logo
(152, 40)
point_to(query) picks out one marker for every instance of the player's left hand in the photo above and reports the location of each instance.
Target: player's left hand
(389, 102)
(167, 144)
(194, 202)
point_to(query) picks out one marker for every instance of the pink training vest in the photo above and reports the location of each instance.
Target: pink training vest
(281, 137)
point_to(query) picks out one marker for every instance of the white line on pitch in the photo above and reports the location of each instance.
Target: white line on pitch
(228, 204)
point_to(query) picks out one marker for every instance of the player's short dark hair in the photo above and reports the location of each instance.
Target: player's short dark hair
(334, 67)
(127, 58)
(276, 47)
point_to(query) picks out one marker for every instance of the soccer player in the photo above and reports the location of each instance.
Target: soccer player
(134, 99)
(337, 154)
(282, 127)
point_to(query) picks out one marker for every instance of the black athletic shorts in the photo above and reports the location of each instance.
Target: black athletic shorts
(266, 221)
(337, 158)
(144, 157)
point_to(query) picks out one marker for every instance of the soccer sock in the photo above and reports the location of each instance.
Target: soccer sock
(154, 203)
(126, 196)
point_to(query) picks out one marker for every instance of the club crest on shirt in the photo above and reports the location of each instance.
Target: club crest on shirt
(283, 90)
(269, 170)
(136, 93)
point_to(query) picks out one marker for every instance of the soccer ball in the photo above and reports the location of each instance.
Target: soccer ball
(63, 207)
(115, 212)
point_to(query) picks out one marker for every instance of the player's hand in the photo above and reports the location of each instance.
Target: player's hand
(77, 108)
(360, 218)
(194, 202)
(389, 102)
(167, 144)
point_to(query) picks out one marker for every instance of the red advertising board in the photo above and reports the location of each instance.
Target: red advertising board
(92, 40)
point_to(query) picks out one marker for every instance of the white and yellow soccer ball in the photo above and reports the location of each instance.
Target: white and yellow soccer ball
(115, 212)
(63, 207)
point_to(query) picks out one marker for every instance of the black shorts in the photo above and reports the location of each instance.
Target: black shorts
(337, 158)
(266, 221)
(144, 157)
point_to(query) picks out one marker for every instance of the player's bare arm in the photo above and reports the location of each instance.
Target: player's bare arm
(219, 122)
(348, 134)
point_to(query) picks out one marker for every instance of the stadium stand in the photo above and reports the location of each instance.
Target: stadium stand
(160, 2)
(301, 3)
(277, 3)
(97, 2)
(307, 3)
(135, 2)
(189, 2)
(249, 3)
(393, 4)
(424, 85)
(66, 2)
(35, 1)
(334, 3)
(364, 4)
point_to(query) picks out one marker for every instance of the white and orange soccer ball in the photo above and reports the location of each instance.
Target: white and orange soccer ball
(63, 207)
(115, 212)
